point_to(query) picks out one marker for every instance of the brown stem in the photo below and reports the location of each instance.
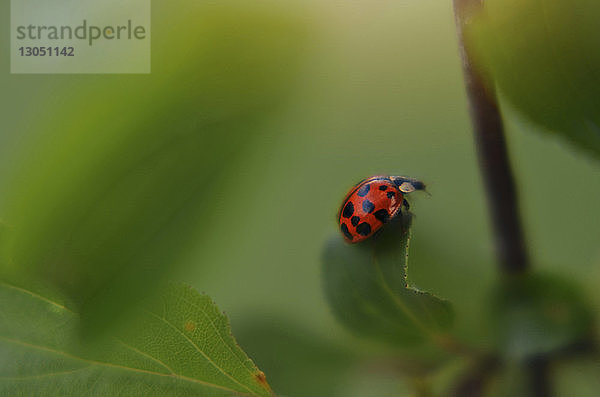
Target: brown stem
(499, 183)
(539, 369)
(493, 155)
(473, 383)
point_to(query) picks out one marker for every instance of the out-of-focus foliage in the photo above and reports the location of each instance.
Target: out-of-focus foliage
(367, 288)
(579, 378)
(298, 361)
(535, 315)
(381, 91)
(544, 56)
(111, 199)
(180, 344)
(513, 379)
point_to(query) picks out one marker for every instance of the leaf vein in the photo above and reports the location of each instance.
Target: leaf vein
(117, 366)
(386, 287)
(146, 355)
(24, 291)
(49, 374)
(199, 350)
(219, 333)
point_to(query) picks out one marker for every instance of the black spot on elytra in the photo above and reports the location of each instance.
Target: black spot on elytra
(362, 192)
(368, 206)
(383, 187)
(382, 215)
(390, 195)
(348, 210)
(364, 229)
(354, 220)
(346, 231)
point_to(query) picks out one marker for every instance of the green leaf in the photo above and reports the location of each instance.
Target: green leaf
(367, 289)
(538, 314)
(124, 177)
(178, 345)
(544, 57)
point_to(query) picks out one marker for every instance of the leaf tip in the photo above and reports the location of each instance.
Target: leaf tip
(261, 379)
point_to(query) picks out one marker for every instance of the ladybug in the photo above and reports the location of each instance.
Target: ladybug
(372, 203)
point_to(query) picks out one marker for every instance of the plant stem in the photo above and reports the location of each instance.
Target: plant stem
(493, 155)
(539, 369)
(473, 383)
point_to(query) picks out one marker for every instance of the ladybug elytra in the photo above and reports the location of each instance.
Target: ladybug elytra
(372, 203)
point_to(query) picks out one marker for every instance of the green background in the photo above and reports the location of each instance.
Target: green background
(376, 89)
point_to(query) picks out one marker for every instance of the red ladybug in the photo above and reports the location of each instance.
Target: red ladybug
(372, 203)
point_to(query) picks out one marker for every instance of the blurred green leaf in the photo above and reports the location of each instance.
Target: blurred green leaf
(544, 56)
(377, 383)
(538, 314)
(291, 353)
(514, 379)
(178, 345)
(367, 289)
(123, 180)
(299, 362)
(579, 378)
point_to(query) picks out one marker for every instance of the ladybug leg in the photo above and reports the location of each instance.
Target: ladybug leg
(405, 204)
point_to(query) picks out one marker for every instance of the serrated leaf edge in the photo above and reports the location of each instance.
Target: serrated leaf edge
(172, 374)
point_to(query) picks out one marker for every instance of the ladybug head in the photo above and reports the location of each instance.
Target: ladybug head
(407, 185)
